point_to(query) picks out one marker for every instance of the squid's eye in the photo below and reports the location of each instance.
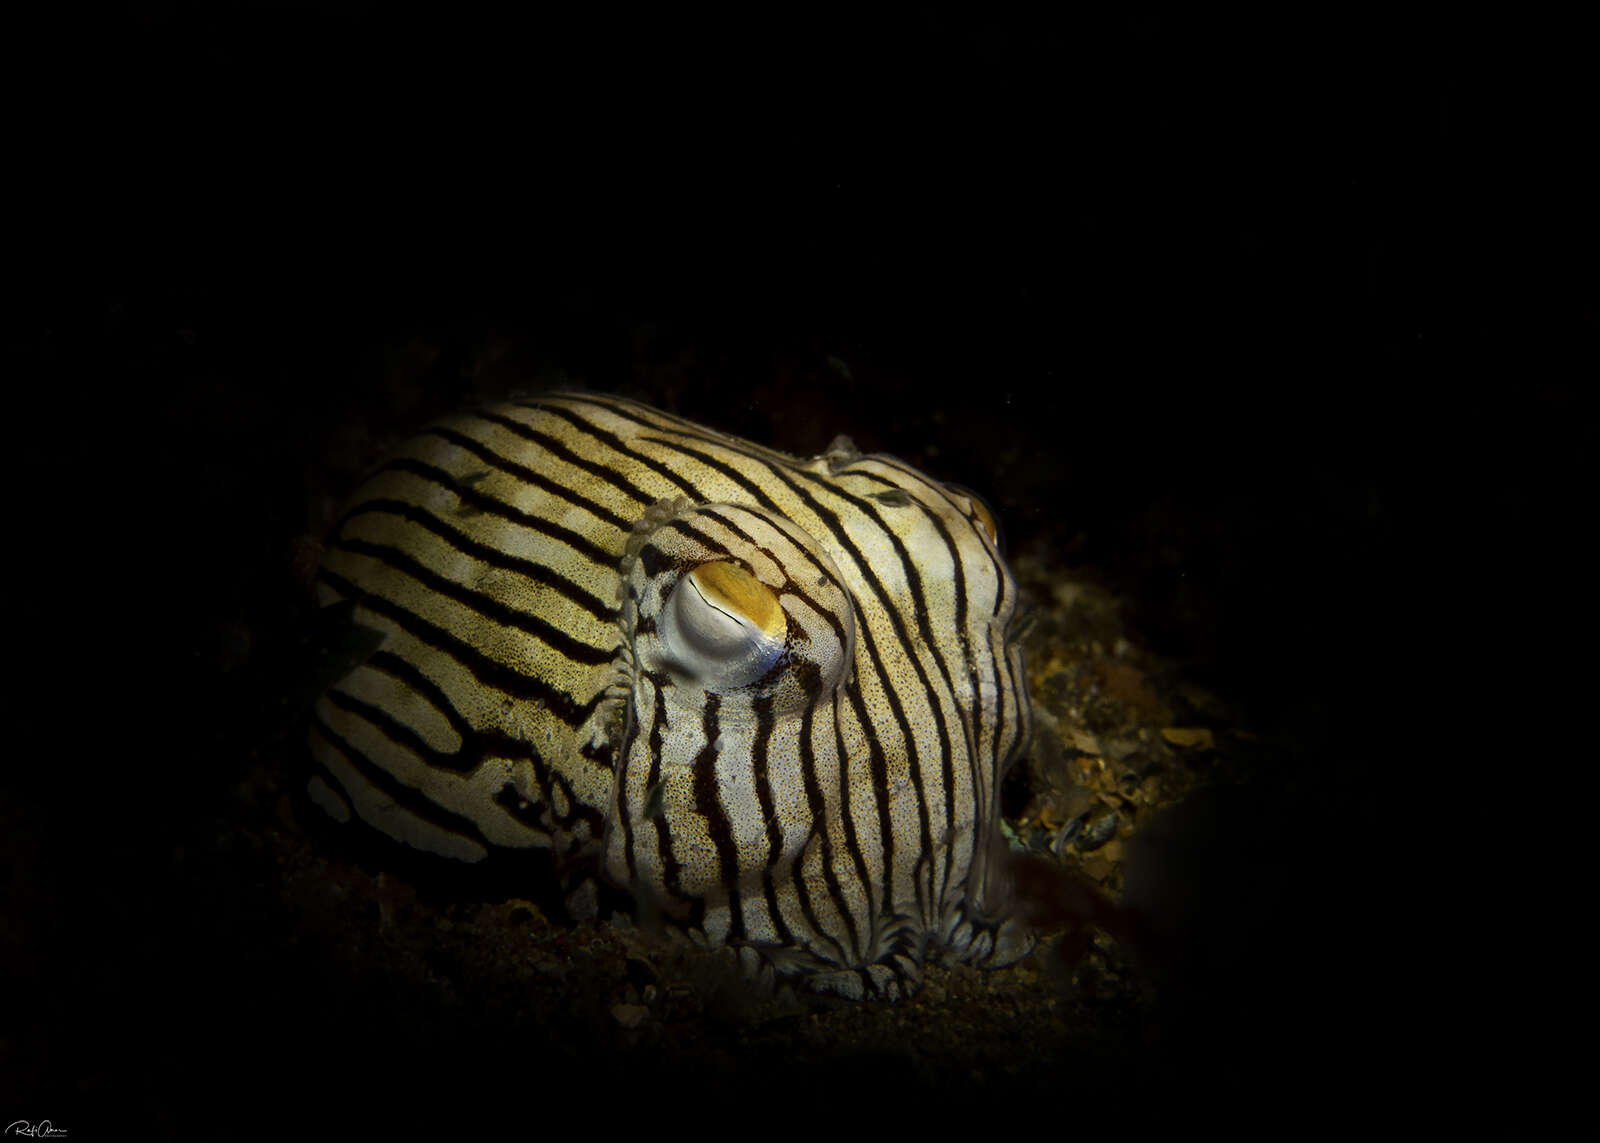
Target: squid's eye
(981, 513)
(723, 626)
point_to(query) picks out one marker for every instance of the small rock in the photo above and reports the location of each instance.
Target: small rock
(629, 1015)
(1188, 736)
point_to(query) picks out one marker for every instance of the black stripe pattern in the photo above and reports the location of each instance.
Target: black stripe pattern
(774, 696)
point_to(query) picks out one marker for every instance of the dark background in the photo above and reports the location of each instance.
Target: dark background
(1274, 329)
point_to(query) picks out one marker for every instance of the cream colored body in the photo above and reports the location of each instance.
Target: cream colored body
(799, 753)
